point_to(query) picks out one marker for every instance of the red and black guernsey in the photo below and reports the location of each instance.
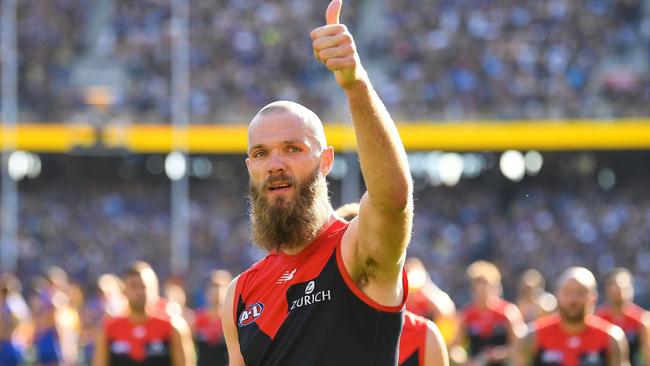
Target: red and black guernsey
(412, 344)
(555, 347)
(631, 321)
(486, 327)
(142, 344)
(306, 310)
(209, 339)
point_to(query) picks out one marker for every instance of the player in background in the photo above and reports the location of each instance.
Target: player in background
(14, 321)
(490, 326)
(143, 335)
(177, 302)
(428, 300)
(574, 336)
(421, 343)
(208, 333)
(322, 272)
(621, 311)
(533, 301)
(107, 301)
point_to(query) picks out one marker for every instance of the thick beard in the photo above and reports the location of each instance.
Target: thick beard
(576, 318)
(287, 225)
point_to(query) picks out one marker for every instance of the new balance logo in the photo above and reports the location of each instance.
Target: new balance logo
(286, 277)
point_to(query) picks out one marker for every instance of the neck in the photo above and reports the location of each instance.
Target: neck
(138, 316)
(297, 249)
(573, 327)
(617, 308)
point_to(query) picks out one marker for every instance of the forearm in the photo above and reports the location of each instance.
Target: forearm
(381, 152)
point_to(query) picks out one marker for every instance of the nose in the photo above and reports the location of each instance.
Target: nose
(276, 163)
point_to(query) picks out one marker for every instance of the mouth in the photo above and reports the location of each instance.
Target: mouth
(279, 187)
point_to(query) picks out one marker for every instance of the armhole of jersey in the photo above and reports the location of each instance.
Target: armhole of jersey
(235, 298)
(357, 291)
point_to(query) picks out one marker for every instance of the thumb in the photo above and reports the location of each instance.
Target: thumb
(333, 12)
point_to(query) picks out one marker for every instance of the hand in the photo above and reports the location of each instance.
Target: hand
(334, 46)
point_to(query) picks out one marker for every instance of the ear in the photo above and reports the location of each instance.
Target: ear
(327, 161)
(248, 164)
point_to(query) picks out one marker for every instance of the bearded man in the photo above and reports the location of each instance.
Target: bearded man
(329, 292)
(574, 336)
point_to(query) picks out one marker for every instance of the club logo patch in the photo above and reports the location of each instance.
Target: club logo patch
(250, 314)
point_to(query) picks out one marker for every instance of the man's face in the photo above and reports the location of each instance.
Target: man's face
(135, 291)
(619, 289)
(574, 301)
(287, 188)
(481, 289)
(283, 154)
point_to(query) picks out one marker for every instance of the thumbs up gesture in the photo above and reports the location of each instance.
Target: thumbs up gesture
(334, 47)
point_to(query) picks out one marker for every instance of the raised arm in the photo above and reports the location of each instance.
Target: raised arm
(375, 244)
(230, 328)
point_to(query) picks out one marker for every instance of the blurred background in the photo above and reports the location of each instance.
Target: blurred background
(124, 131)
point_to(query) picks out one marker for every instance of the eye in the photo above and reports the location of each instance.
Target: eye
(258, 153)
(294, 149)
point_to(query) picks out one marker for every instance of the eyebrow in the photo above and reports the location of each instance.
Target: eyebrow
(286, 142)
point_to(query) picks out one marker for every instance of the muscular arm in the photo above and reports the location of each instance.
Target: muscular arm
(435, 352)
(618, 350)
(229, 328)
(100, 356)
(374, 248)
(182, 347)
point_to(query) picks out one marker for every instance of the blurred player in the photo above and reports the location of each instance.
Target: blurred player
(490, 326)
(144, 336)
(14, 315)
(69, 301)
(208, 332)
(428, 300)
(533, 301)
(177, 302)
(421, 343)
(329, 292)
(45, 304)
(574, 336)
(108, 301)
(621, 311)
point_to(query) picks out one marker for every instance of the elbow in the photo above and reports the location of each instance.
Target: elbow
(399, 201)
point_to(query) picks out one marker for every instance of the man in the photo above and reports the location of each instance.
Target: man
(421, 343)
(621, 311)
(207, 327)
(574, 336)
(533, 301)
(329, 292)
(144, 335)
(490, 326)
(428, 300)
(14, 319)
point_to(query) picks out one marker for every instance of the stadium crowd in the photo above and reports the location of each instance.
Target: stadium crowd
(468, 59)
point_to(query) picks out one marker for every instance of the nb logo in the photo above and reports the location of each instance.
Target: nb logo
(310, 288)
(287, 276)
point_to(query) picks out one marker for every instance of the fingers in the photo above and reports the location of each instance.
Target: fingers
(331, 41)
(341, 63)
(328, 30)
(336, 52)
(333, 12)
